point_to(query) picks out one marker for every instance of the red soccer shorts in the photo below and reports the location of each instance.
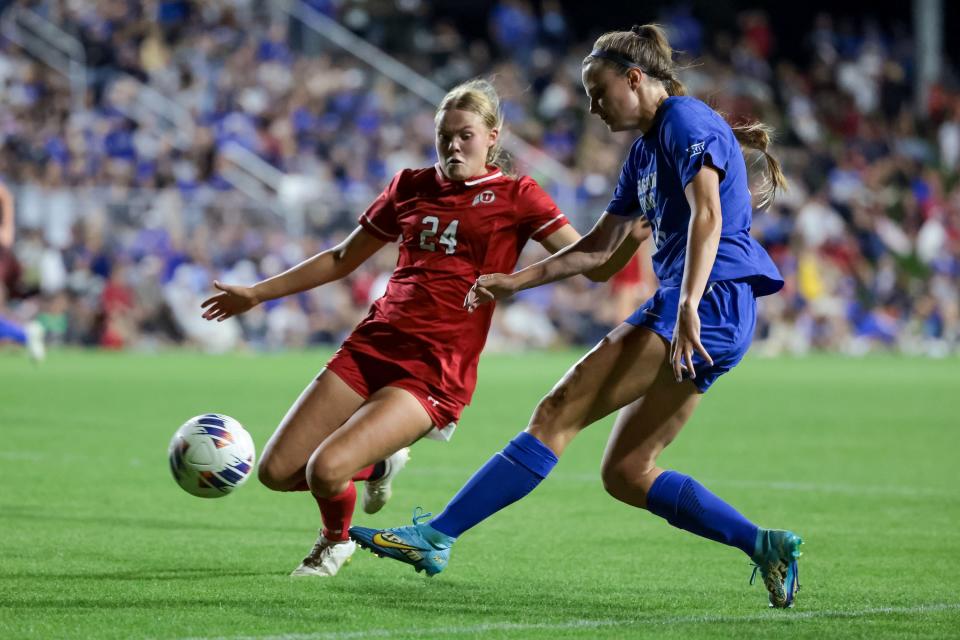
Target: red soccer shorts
(366, 374)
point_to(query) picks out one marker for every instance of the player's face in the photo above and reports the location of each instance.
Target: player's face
(463, 141)
(613, 96)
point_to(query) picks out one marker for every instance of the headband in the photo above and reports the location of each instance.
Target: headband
(616, 57)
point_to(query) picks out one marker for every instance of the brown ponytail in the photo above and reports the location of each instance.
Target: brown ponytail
(756, 136)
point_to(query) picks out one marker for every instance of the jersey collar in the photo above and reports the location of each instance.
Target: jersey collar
(495, 172)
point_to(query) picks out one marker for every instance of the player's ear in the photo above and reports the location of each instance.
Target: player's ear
(494, 136)
(634, 78)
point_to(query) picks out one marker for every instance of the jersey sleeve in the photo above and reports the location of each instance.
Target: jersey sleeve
(693, 140)
(380, 218)
(625, 201)
(540, 215)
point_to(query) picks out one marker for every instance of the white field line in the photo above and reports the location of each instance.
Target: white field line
(62, 456)
(493, 627)
(836, 488)
(33, 456)
(840, 488)
(802, 487)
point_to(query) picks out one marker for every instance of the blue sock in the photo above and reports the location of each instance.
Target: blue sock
(687, 504)
(12, 331)
(504, 479)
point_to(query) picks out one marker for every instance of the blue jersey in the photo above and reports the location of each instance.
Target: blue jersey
(685, 135)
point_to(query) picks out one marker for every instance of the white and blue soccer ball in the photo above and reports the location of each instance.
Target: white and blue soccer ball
(211, 455)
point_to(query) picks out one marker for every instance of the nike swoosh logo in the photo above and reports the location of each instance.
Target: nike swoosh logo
(378, 539)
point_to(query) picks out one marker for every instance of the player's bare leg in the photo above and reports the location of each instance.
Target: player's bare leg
(322, 408)
(642, 430)
(389, 421)
(620, 369)
(630, 474)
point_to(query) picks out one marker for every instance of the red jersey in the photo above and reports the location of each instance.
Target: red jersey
(450, 233)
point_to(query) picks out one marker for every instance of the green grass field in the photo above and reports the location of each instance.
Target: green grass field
(96, 540)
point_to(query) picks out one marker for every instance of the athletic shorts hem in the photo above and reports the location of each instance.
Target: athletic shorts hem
(701, 384)
(727, 314)
(355, 369)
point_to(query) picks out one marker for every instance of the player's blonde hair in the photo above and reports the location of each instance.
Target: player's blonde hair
(480, 97)
(646, 46)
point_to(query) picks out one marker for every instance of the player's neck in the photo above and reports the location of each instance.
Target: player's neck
(479, 174)
(483, 172)
(648, 110)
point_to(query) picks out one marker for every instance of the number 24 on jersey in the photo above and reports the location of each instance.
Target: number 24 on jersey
(448, 238)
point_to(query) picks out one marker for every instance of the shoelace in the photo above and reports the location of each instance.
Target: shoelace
(418, 515)
(315, 557)
(796, 574)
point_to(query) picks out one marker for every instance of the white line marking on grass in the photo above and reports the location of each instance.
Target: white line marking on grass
(828, 487)
(33, 456)
(827, 613)
(769, 616)
(802, 487)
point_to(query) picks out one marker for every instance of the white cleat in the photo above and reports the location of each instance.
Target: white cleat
(377, 492)
(35, 341)
(326, 558)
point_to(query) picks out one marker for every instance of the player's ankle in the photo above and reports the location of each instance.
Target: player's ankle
(437, 538)
(337, 536)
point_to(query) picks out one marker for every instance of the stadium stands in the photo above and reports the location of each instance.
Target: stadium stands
(123, 223)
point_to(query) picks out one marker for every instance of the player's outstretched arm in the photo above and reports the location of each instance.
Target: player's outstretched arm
(638, 234)
(326, 266)
(567, 235)
(590, 252)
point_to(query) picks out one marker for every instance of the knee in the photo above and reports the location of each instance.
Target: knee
(628, 482)
(268, 477)
(616, 482)
(271, 474)
(325, 474)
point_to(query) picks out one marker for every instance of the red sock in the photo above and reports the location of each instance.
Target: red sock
(365, 473)
(336, 512)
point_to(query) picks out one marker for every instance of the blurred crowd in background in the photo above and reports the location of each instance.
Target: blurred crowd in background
(123, 226)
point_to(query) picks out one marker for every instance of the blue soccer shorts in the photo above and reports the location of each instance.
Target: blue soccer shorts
(728, 316)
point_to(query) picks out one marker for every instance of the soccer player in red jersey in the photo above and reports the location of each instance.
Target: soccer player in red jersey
(410, 367)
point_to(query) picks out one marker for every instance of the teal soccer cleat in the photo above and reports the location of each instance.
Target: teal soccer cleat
(775, 558)
(421, 545)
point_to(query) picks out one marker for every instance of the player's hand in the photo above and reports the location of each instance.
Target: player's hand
(686, 339)
(489, 288)
(232, 300)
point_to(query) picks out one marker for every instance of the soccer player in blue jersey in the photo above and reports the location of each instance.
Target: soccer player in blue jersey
(686, 175)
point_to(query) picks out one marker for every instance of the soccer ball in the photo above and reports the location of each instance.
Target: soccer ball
(211, 455)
